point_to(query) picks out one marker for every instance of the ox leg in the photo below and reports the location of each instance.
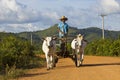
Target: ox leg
(77, 60)
(48, 62)
(51, 64)
(53, 60)
(73, 53)
(81, 57)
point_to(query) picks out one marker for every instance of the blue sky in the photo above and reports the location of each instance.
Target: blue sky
(34, 15)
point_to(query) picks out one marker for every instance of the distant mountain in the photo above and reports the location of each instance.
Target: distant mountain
(96, 33)
(90, 34)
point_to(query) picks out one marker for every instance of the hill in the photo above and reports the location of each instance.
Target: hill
(90, 34)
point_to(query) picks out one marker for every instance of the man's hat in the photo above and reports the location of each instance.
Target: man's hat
(63, 18)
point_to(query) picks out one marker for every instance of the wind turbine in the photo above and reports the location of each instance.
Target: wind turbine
(103, 34)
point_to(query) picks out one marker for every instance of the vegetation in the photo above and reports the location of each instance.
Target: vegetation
(105, 47)
(17, 53)
(14, 51)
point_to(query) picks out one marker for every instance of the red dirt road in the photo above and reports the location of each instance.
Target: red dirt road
(94, 68)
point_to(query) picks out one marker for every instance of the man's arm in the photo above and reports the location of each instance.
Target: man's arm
(60, 30)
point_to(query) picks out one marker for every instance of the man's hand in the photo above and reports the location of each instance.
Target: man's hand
(60, 31)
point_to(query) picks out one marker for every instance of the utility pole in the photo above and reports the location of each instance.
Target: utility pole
(103, 34)
(31, 37)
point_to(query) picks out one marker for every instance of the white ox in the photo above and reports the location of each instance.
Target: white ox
(78, 45)
(49, 48)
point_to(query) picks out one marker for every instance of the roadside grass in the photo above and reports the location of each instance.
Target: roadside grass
(13, 73)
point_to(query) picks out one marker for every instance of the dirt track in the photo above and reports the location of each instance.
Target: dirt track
(94, 68)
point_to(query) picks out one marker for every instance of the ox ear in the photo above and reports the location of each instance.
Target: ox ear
(43, 39)
(54, 38)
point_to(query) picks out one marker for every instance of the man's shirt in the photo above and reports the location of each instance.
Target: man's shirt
(64, 28)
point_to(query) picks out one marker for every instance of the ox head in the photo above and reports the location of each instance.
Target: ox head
(79, 39)
(49, 41)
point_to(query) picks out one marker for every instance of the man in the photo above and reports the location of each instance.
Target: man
(63, 27)
(63, 32)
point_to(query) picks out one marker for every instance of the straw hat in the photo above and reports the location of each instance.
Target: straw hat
(63, 18)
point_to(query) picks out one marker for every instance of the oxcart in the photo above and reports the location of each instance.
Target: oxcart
(64, 52)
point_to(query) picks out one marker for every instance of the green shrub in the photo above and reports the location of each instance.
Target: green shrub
(15, 51)
(115, 48)
(104, 47)
(91, 48)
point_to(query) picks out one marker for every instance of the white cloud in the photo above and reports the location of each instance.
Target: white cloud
(20, 27)
(13, 12)
(108, 7)
(15, 16)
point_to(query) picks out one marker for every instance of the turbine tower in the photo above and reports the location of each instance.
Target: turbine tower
(103, 34)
